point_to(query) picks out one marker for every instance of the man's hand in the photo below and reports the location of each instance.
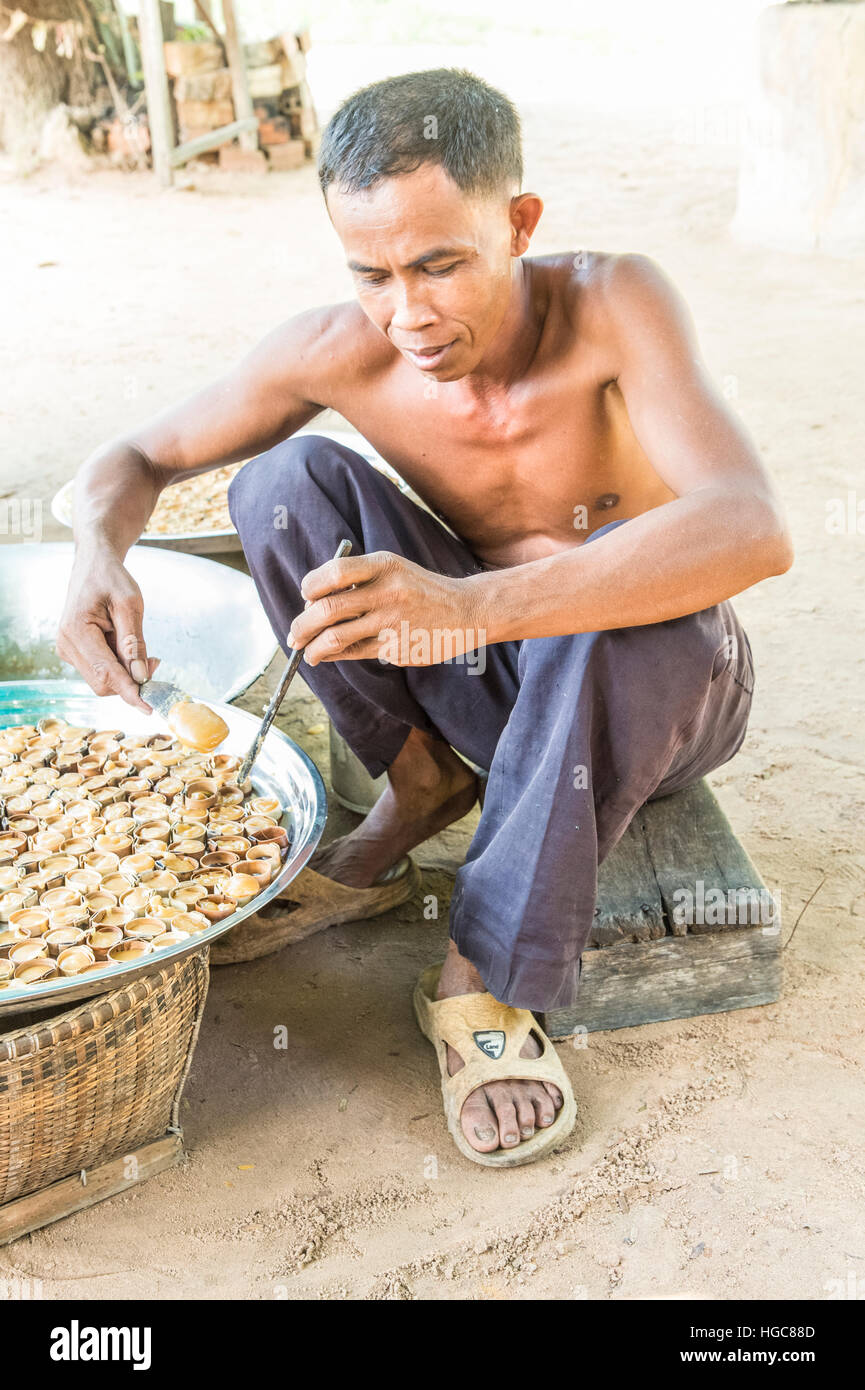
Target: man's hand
(100, 631)
(383, 606)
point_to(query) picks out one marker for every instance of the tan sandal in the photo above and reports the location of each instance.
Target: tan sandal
(308, 905)
(488, 1036)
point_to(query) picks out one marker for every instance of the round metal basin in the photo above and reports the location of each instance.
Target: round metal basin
(203, 619)
(282, 769)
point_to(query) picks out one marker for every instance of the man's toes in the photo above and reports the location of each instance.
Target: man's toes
(505, 1114)
(479, 1123)
(545, 1111)
(509, 1127)
(525, 1113)
(554, 1093)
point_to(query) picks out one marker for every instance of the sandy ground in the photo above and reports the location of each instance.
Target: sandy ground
(714, 1157)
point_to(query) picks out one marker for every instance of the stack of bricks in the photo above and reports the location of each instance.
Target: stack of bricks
(202, 87)
(276, 75)
(281, 99)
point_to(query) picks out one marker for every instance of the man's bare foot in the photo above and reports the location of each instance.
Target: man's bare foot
(428, 788)
(504, 1113)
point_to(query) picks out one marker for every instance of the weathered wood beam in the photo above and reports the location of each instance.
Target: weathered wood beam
(71, 1194)
(640, 982)
(213, 139)
(694, 852)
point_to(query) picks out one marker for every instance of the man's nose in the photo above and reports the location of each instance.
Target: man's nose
(412, 312)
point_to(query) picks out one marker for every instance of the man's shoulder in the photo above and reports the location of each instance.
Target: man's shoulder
(598, 277)
(337, 334)
(610, 297)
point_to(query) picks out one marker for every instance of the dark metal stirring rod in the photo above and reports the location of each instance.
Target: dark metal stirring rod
(279, 694)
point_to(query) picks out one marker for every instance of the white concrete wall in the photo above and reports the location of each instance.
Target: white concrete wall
(802, 180)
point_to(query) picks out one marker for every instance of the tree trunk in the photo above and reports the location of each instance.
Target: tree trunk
(33, 83)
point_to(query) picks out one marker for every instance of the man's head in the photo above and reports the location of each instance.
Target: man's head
(421, 175)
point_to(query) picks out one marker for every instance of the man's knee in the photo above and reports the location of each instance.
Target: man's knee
(698, 645)
(277, 485)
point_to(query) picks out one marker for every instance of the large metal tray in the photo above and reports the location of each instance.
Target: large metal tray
(282, 769)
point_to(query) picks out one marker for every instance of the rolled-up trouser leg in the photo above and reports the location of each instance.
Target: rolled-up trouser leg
(603, 722)
(291, 507)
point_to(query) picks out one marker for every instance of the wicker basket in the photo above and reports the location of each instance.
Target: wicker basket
(99, 1079)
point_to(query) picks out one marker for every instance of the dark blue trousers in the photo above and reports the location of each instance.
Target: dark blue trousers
(577, 732)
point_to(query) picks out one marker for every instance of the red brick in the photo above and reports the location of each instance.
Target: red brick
(204, 86)
(238, 161)
(260, 55)
(205, 115)
(183, 58)
(129, 139)
(274, 132)
(289, 156)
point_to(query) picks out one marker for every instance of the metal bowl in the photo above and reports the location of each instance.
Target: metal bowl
(222, 542)
(282, 769)
(203, 619)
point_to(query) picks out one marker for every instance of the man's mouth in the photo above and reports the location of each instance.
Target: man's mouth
(428, 357)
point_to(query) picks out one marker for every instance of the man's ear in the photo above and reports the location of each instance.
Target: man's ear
(526, 209)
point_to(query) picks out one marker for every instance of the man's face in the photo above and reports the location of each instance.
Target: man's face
(432, 265)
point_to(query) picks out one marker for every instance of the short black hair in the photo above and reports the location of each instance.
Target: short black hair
(445, 116)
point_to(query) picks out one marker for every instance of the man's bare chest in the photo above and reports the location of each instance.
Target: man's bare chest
(553, 466)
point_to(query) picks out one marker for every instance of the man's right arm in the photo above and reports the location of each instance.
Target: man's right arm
(269, 395)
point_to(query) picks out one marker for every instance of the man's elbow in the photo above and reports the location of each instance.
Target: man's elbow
(773, 543)
(785, 553)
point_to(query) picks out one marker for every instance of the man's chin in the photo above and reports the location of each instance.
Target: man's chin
(452, 366)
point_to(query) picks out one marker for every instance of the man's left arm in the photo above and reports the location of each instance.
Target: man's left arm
(723, 531)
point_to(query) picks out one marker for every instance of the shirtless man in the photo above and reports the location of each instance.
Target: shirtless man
(602, 503)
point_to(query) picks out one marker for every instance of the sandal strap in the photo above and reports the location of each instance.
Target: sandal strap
(478, 1026)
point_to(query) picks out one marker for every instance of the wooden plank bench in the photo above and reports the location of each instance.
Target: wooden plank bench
(684, 924)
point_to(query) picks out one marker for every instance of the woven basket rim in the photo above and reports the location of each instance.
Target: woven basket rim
(90, 1013)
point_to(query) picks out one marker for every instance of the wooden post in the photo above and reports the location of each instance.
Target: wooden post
(169, 25)
(159, 116)
(240, 87)
(129, 57)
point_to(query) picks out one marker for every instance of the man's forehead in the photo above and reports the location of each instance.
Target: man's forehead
(413, 218)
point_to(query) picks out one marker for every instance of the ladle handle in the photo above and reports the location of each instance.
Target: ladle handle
(278, 696)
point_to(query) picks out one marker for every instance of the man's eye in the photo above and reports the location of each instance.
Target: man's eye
(444, 270)
(373, 279)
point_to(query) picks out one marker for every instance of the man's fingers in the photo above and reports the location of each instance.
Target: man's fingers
(101, 669)
(330, 644)
(369, 649)
(341, 574)
(129, 640)
(132, 652)
(324, 613)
